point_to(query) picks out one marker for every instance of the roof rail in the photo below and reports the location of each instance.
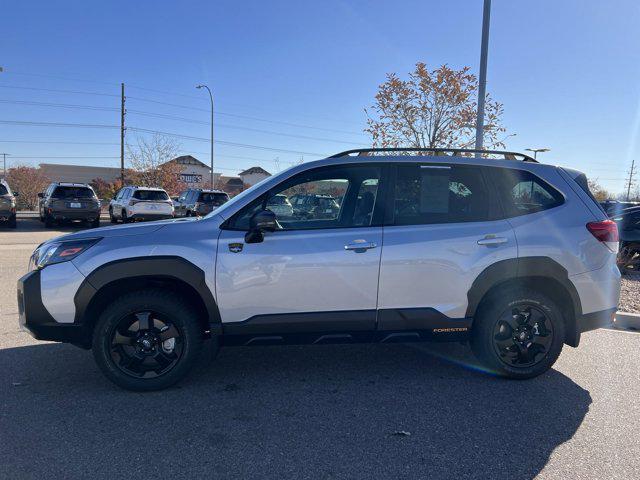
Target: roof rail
(366, 151)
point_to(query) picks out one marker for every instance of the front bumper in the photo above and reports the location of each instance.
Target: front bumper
(35, 319)
(7, 214)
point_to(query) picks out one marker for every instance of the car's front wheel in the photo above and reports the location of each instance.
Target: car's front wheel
(147, 340)
(518, 333)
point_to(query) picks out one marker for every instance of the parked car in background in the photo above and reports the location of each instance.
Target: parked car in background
(135, 203)
(614, 207)
(7, 204)
(514, 256)
(314, 206)
(628, 221)
(199, 202)
(69, 202)
(280, 205)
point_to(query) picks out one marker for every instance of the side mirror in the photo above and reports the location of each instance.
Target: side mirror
(16, 194)
(41, 195)
(262, 221)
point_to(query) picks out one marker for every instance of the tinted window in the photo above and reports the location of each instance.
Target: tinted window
(427, 194)
(150, 195)
(523, 192)
(314, 195)
(212, 197)
(3, 190)
(73, 192)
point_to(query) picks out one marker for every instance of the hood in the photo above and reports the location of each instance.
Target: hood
(112, 231)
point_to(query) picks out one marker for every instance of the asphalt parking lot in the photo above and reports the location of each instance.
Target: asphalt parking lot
(314, 412)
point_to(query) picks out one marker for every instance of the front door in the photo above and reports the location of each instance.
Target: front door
(317, 272)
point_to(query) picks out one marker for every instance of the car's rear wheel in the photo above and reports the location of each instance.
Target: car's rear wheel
(12, 222)
(112, 219)
(48, 221)
(518, 333)
(125, 219)
(96, 222)
(147, 340)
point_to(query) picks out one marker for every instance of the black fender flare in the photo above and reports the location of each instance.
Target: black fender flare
(523, 268)
(160, 267)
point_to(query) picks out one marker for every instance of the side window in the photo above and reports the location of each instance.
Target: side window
(427, 194)
(182, 196)
(523, 192)
(329, 197)
(127, 194)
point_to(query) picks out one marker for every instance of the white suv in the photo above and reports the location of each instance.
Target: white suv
(140, 203)
(514, 256)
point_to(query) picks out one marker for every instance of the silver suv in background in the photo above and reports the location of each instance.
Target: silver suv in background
(140, 203)
(7, 204)
(68, 202)
(198, 202)
(511, 255)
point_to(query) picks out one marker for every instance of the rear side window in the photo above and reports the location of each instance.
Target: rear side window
(584, 185)
(3, 190)
(73, 192)
(427, 194)
(523, 192)
(214, 198)
(150, 195)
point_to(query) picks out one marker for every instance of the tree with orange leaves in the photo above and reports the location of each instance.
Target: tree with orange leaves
(432, 108)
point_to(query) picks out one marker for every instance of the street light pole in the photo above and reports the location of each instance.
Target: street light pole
(536, 150)
(482, 84)
(213, 184)
(4, 165)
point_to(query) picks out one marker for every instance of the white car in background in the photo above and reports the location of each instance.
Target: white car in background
(140, 203)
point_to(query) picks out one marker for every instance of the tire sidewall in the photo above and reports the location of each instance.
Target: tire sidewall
(181, 315)
(483, 333)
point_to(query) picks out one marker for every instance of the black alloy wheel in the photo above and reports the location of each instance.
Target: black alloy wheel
(146, 344)
(523, 335)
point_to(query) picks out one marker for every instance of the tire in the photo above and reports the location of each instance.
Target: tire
(165, 307)
(48, 221)
(12, 223)
(511, 327)
(125, 219)
(112, 219)
(96, 223)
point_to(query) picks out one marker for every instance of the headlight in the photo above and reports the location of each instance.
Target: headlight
(60, 251)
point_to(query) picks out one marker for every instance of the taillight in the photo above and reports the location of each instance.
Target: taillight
(606, 232)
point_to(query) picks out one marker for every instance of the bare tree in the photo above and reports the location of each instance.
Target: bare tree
(432, 108)
(151, 163)
(598, 191)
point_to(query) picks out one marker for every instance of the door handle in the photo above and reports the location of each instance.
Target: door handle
(360, 245)
(492, 240)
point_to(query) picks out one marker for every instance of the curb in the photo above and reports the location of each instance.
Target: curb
(627, 320)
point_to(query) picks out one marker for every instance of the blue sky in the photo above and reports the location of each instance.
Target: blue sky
(567, 72)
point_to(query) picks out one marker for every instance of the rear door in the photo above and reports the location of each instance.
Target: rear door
(442, 230)
(313, 274)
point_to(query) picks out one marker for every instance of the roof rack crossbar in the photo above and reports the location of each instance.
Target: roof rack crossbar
(366, 151)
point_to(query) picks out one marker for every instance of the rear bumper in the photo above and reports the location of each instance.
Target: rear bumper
(75, 214)
(34, 318)
(595, 320)
(150, 216)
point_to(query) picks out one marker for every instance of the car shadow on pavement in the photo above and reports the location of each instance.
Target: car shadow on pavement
(365, 411)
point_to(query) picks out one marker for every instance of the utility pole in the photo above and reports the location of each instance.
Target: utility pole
(631, 181)
(122, 129)
(4, 165)
(213, 180)
(482, 85)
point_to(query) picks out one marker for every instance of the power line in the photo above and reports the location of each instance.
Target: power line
(55, 124)
(233, 144)
(55, 90)
(58, 156)
(59, 105)
(246, 117)
(58, 142)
